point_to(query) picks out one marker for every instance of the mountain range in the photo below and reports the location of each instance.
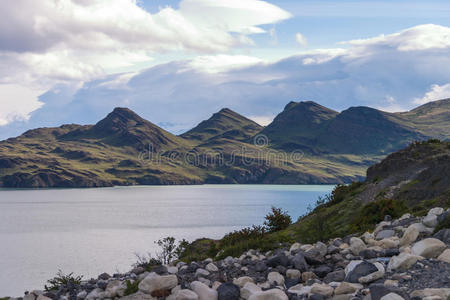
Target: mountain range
(305, 144)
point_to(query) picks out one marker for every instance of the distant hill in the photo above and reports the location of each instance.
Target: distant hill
(305, 144)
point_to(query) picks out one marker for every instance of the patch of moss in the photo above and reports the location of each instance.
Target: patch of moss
(132, 287)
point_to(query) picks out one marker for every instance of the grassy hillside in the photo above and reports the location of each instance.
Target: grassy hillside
(306, 144)
(412, 180)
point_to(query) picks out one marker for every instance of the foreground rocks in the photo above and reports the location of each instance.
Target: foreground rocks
(401, 259)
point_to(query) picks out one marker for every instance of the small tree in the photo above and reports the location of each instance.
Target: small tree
(277, 220)
(169, 250)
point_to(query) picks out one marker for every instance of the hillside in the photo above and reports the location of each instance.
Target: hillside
(305, 144)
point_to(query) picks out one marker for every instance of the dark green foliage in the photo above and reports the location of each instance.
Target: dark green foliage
(62, 279)
(170, 251)
(375, 212)
(5, 298)
(213, 250)
(277, 220)
(132, 287)
(443, 224)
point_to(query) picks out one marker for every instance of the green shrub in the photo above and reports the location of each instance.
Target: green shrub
(62, 279)
(374, 212)
(132, 287)
(443, 224)
(277, 220)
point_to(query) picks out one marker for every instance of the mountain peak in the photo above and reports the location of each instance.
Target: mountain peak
(221, 122)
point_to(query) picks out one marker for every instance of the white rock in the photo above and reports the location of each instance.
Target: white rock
(322, 289)
(205, 281)
(201, 272)
(373, 276)
(186, 295)
(115, 288)
(293, 274)
(249, 289)
(392, 296)
(30, 296)
(295, 247)
(241, 281)
(203, 291)
(442, 293)
(445, 256)
(322, 248)
(422, 228)
(154, 282)
(409, 236)
(81, 295)
(351, 265)
(172, 270)
(300, 290)
(208, 260)
(430, 221)
(389, 243)
(436, 211)
(405, 216)
(273, 294)
(95, 294)
(347, 288)
(356, 245)
(428, 248)
(403, 261)
(42, 297)
(275, 278)
(212, 267)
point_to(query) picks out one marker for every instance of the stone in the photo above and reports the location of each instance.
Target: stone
(409, 236)
(201, 273)
(313, 256)
(392, 296)
(445, 256)
(443, 235)
(378, 290)
(362, 269)
(295, 247)
(442, 293)
(29, 296)
(42, 297)
(430, 221)
(104, 276)
(186, 295)
(293, 274)
(383, 234)
(322, 271)
(278, 260)
(81, 295)
(403, 261)
(336, 276)
(211, 267)
(356, 245)
(138, 296)
(228, 291)
(428, 248)
(436, 211)
(273, 294)
(241, 281)
(115, 288)
(389, 243)
(368, 253)
(299, 262)
(203, 291)
(422, 228)
(172, 270)
(351, 265)
(275, 278)
(373, 276)
(260, 266)
(249, 289)
(347, 288)
(322, 248)
(308, 275)
(322, 289)
(94, 294)
(154, 282)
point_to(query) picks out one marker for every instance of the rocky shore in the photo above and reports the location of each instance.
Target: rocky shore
(400, 259)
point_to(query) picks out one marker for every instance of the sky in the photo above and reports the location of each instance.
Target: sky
(177, 62)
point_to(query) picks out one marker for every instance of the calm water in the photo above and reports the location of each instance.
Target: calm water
(90, 231)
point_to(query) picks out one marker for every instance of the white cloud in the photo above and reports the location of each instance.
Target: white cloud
(436, 92)
(49, 42)
(301, 40)
(262, 120)
(222, 63)
(15, 103)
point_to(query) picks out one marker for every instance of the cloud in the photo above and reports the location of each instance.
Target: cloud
(49, 42)
(436, 92)
(301, 40)
(384, 72)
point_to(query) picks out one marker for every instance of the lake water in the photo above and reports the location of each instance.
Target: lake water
(90, 231)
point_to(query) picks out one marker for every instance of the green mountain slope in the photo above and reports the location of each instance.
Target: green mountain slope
(307, 144)
(225, 123)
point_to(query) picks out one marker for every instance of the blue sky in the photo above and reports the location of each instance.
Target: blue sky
(177, 62)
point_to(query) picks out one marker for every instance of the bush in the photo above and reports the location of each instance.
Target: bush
(132, 287)
(374, 212)
(62, 280)
(169, 250)
(277, 220)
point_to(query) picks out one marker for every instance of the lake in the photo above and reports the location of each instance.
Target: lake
(91, 231)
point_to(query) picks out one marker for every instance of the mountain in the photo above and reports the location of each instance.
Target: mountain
(299, 125)
(305, 144)
(317, 130)
(225, 123)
